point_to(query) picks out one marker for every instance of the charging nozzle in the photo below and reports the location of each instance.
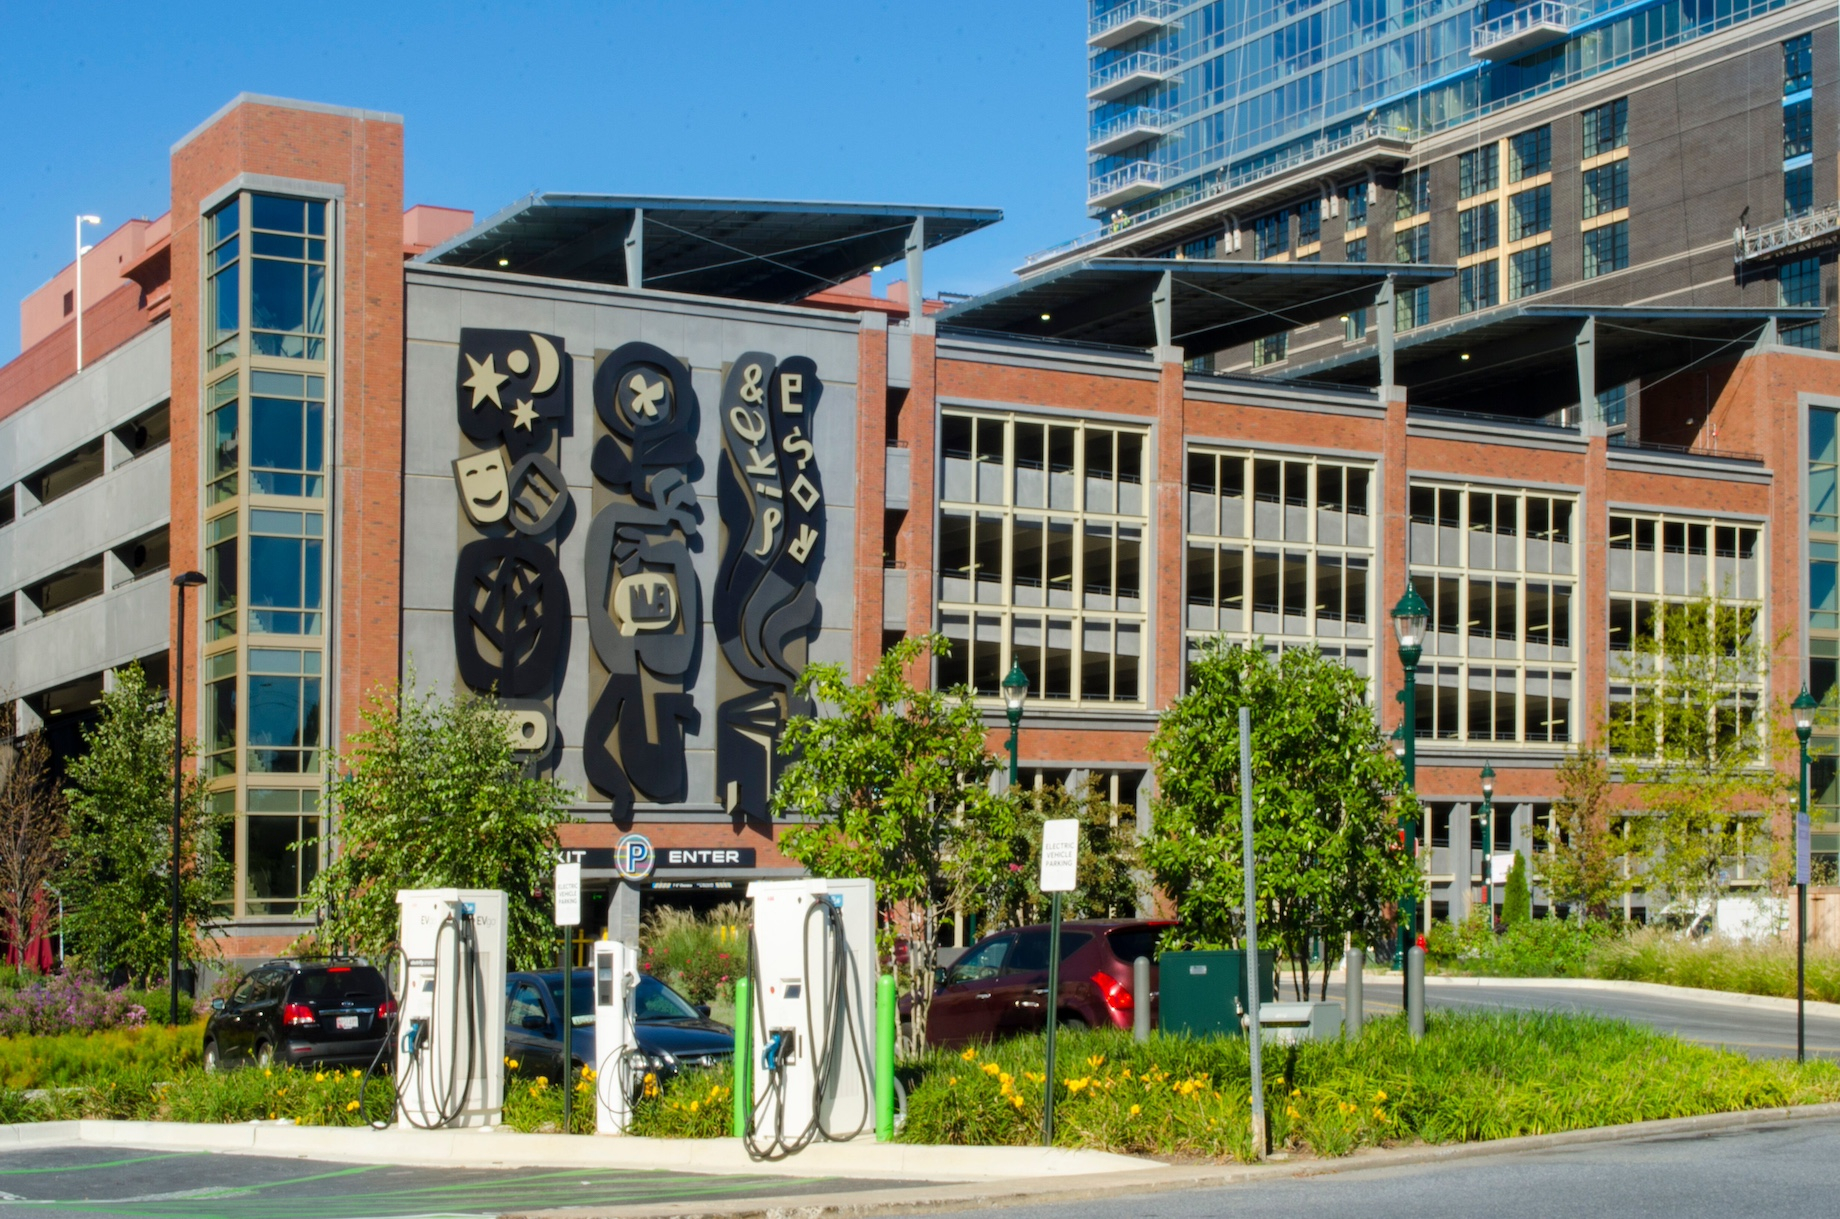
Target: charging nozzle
(412, 1039)
(775, 1048)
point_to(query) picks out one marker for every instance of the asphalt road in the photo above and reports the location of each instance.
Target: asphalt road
(1775, 1171)
(89, 1180)
(1761, 1032)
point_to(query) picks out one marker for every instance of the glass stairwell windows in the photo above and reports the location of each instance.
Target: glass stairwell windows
(287, 434)
(280, 833)
(287, 277)
(222, 428)
(284, 711)
(1498, 570)
(222, 584)
(220, 720)
(1041, 556)
(1280, 549)
(286, 557)
(224, 288)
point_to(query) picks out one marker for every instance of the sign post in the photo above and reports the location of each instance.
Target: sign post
(1060, 858)
(1254, 1037)
(568, 917)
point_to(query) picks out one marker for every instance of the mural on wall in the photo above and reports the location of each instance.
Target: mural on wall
(765, 601)
(511, 601)
(644, 602)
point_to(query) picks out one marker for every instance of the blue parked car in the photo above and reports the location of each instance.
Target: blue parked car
(672, 1033)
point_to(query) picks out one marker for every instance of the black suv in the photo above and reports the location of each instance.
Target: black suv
(333, 1013)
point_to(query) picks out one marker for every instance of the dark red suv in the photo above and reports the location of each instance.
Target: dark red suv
(1000, 986)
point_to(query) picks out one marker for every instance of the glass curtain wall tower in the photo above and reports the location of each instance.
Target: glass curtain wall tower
(1188, 99)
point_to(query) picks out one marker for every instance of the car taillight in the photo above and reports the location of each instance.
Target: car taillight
(1117, 994)
(298, 1013)
(386, 1009)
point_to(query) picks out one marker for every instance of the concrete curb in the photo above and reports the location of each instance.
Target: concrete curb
(477, 1148)
(1049, 1190)
(1658, 990)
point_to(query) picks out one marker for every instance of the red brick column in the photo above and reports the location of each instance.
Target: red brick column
(1591, 704)
(1170, 541)
(871, 490)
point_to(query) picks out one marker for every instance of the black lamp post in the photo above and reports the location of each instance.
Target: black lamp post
(182, 581)
(1409, 617)
(1804, 707)
(1488, 841)
(1015, 693)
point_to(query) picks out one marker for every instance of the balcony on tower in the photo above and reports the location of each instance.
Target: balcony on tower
(1132, 19)
(1129, 73)
(1525, 29)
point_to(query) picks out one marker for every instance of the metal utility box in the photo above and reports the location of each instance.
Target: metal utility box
(1289, 1023)
(1203, 993)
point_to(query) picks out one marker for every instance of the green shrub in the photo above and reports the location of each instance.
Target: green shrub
(154, 1092)
(697, 955)
(1516, 897)
(1537, 948)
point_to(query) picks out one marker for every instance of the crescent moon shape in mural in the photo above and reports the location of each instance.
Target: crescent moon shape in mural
(549, 367)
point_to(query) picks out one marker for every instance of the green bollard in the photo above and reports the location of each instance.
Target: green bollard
(887, 1012)
(744, 1056)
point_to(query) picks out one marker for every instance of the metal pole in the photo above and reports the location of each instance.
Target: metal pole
(178, 681)
(1488, 858)
(1415, 991)
(1353, 962)
(568, 1028)
(1801, 919)
(1140, 999)
(1052, 1006)
(1015, 775)
(1408, 926)
(1255, 1039)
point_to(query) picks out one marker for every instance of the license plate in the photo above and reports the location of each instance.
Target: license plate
(347, 1022)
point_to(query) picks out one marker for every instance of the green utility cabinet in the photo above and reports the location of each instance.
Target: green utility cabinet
(1203, 993)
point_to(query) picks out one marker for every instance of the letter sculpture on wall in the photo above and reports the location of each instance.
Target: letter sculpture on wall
(645, 608)
(765, 601)
(511, 603)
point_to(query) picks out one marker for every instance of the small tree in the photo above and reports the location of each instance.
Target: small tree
(1583, 857)
(1697, 741)
(1517, 897)
(433, 797)
(1325, 801)
(1110, 861)
(895, 787)
(117, 870)
(32, 831)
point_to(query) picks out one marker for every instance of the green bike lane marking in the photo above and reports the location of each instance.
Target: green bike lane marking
(35, 1172)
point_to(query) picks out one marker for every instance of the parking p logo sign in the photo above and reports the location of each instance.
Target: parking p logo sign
(633, 857)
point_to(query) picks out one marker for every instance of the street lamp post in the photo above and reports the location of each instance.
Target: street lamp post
(77, 296)
(1488, 841)
(1015, 693)
(182, 581)
(1409, 617)
(1804, 707)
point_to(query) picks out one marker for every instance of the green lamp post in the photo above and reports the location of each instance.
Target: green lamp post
(1488, 841)
(1409, 617)
(1015, 693)
(1804, 708)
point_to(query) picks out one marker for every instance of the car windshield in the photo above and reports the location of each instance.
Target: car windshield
(655, 1000)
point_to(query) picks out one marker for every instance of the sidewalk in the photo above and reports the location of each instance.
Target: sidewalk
(477, 1148)
(1658, 990)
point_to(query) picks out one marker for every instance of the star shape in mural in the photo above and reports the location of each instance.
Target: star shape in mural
(523, 414)
(485, 381)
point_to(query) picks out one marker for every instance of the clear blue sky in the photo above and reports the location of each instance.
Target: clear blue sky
(916, 102)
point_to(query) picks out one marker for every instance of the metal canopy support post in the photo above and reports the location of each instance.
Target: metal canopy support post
(1590, 420)
(1162, 310)
(1767, 337)
(1383, 305)
(635, 250)
(916, 272)
(1252, 978)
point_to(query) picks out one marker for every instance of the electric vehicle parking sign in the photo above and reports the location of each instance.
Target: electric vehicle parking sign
(634, 857)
